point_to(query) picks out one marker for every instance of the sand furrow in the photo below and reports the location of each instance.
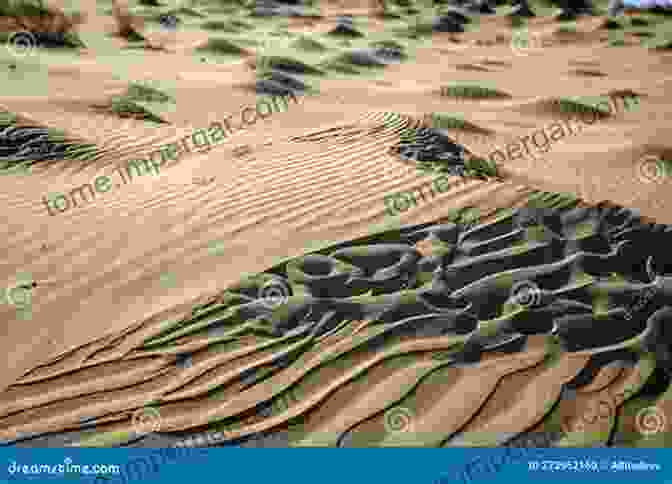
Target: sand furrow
(502, 418)
(99, 378)
(441, 404)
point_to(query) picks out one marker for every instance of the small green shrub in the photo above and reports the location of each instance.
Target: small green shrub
(472, 91)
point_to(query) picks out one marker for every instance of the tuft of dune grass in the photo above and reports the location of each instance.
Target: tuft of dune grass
(481, 168)
(517, 21)
(125, 108)
(308, 44)
(450, 121)
(350, 58)
(141, 92)
(474, 167)
(130, 103)
(74, 149)
(287, 64)
(472, 91)
(7, 118)
(388, 44)
(611, 24)
(442, 121)
(566, 29)
(579, 105)
(639, 22)
(189, 12)
(662, 45)
(617, 43)
(420, 29)
(22, 8)
(230, 26)
(221, 46)
(219, 25)
(338, 65)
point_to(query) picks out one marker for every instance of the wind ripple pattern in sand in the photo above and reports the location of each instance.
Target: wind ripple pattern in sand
(358, 320)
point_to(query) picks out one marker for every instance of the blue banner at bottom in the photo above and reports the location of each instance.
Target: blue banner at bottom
(326, 466)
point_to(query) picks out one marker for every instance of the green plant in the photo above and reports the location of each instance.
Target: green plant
(57, 141)
(306, 43)
(583, 105)
(442, 121)
(289, 64)
(566, 29)
(127, 108)
(221, 46)
(481, 168)
(472, 91)
(17, 8)
(141, 92)
(517, 21)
